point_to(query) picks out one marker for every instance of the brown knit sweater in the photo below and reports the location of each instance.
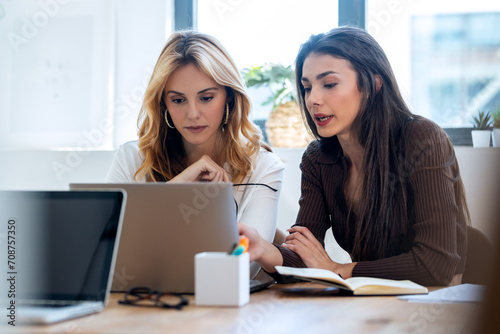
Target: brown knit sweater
(434, 248)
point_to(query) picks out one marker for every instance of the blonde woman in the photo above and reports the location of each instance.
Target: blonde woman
(194, 126)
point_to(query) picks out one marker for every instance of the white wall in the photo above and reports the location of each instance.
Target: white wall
(52, 170)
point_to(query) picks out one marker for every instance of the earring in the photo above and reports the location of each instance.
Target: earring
(227, 114)
(166, 120)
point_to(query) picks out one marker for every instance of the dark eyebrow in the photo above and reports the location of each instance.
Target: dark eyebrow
(200, 92)
(174, 92)
(324, 74)
(320, 76)
(207, 89)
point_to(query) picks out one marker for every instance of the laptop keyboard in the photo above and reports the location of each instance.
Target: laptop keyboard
(49, 303)
(258, 285)
(54, 305)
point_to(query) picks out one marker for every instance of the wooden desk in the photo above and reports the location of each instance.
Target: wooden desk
(277, 311)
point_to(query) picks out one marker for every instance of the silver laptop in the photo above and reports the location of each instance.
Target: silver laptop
(165, 225)
(61, 248)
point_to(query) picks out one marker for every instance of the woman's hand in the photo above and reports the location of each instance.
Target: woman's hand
(205, 169)
(261, 251)
(256, 243)
(314, 255)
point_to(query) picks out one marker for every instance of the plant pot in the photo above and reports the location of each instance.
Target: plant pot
(481, 138)
(285, 128)
(496, 137)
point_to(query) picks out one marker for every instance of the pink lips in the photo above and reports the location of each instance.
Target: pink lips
(196, 129)
(322, 119)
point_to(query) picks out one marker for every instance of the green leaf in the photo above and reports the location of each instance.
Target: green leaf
(481, 121)
(278, 78)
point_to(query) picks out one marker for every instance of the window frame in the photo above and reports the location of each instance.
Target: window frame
(185, 14)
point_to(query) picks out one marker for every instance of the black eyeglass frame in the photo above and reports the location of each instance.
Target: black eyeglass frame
(251, 184)
(139, 294)
(255, 184)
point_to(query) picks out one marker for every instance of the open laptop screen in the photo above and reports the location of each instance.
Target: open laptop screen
(165, 226)
(64, 242)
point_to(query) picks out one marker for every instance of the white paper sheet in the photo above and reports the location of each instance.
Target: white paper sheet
(464, 293)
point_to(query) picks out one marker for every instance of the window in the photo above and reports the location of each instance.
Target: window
(265, 31)
(74, 72)
(456, 65)
(445, 55)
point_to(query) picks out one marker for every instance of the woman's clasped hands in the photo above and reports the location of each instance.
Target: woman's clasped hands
(204, 170)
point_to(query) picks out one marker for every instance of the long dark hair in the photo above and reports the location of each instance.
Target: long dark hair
(386, 211)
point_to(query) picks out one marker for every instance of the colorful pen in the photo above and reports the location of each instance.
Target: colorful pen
(242, 246)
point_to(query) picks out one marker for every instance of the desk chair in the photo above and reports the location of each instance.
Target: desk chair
(489, 315)
(479, 257)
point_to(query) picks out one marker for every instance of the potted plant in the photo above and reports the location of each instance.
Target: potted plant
(496, 127)
(481, 129)
(284, 126)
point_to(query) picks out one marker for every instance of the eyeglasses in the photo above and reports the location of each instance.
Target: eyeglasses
(142, 296)
(255, 184)
(251, 184)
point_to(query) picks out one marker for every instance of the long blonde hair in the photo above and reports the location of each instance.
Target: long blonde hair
(160, 146)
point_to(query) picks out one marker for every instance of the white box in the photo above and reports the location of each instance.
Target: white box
(222, 279)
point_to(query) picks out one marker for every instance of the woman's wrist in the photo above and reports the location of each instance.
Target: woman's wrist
(345, 270)
(271, 257)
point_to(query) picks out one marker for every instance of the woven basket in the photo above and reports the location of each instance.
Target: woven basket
(285, 128)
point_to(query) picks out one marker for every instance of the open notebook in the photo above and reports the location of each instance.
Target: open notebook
(63, 246)
(356, 285)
